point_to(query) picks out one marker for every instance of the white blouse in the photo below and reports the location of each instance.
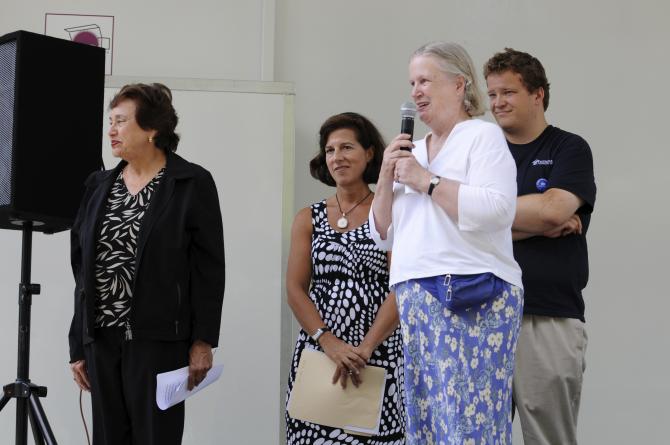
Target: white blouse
(426, 241)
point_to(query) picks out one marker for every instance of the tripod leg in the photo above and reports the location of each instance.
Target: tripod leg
(42, 422)
(37, 434)
(3, 401)
(21, 421)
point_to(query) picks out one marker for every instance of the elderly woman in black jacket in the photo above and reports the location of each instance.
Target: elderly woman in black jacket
(148, 262)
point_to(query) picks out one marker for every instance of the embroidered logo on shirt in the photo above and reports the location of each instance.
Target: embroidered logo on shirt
(541, 184)
(543, 162)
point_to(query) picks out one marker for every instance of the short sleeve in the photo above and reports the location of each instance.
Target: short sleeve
(573, 171)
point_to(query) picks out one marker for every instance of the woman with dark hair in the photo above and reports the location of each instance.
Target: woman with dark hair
(337, 280)
(148, 262)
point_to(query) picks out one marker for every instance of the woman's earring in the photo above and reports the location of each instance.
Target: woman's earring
(151, 139)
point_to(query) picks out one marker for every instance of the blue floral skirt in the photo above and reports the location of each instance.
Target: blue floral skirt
(458, 366)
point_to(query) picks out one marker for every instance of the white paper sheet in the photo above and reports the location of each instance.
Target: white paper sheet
(171, 387)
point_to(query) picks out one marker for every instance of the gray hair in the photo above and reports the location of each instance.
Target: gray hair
(454, 59)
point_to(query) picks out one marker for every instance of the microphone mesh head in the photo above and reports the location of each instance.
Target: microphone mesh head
(408, 109)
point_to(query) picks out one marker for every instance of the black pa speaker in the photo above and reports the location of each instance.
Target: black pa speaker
(51, 108)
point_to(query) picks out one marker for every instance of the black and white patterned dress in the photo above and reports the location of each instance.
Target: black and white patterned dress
(116, 250)
(349, 285)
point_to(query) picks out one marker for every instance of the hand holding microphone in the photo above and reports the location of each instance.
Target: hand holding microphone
(407, 170)
(401, 146)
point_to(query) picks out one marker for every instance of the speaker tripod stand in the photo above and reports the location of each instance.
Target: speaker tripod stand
(26, 393)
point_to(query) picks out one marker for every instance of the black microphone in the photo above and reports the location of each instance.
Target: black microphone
(407, 113)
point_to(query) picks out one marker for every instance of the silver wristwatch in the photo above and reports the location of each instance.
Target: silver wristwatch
(319, 332)
(434, 181)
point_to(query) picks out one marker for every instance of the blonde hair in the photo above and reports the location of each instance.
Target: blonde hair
(454, 59)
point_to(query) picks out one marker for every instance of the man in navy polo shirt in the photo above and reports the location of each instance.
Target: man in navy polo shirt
(556, 195)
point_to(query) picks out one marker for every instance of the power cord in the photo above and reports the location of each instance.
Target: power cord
(83, 419)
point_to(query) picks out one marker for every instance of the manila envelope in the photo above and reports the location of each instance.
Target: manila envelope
(315, 399)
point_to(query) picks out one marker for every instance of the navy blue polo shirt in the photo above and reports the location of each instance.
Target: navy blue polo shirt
(555, 270)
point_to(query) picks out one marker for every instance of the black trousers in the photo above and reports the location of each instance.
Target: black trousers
(123, 389)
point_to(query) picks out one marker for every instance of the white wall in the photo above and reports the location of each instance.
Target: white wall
(606, 61)
(211, 39)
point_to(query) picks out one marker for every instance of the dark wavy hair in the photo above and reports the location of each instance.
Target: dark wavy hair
(528, 67)
(154, 111)
(366, 134)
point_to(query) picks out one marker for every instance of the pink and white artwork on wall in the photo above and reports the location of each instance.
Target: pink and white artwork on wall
(96, 30)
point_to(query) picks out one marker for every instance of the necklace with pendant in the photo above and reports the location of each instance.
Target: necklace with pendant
(343, 222)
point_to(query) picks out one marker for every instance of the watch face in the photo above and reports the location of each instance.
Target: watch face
(319, 332)
(435, 180)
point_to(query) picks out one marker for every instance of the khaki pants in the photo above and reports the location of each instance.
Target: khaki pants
(548, 372)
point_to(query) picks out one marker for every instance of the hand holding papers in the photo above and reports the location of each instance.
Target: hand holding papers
(171, 387)
(316, 399)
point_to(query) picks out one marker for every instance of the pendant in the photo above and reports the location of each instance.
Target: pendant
(343, 222)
